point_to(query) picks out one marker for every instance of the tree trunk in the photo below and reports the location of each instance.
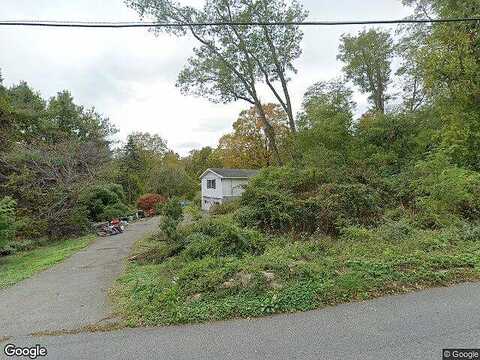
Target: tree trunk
(287, 105)
(269, 133)
(380, 95)
(291, 119)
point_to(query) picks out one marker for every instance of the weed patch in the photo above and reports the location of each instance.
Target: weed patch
(203, 282)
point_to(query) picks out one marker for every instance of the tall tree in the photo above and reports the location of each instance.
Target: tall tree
(150, 143)
(410, 73)
(200, 160)
(449, 61)
(367, 57)
(325, 123)
(247, 146)
(66, 120)
(233, 59)
(28, 109)
(132, 170)
(5, 121)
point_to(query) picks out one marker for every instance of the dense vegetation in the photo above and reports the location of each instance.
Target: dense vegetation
(385, 203)
(62, 170)
(346, 207)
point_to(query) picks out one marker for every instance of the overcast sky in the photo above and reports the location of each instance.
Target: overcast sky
(129, 74)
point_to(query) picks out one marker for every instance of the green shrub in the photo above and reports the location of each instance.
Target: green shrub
(442, 194)
(31, 228)
(172, 216)
(114, 211)
(292, 179)
(7, 221)
(228, 207)
(387, 231)
(103, 202)
(194, 211)
(433, 240)
(169, 227)
(219, 237)
(268, 209)
(118, 190)
(201, 245)
(155, 252)
(286, 199)
(269, 199)
(76, 222)
(206, 274)
(23, 245)
(197, 200)
(470, 232)
(399, 230)
(172, 209)
(338, 205)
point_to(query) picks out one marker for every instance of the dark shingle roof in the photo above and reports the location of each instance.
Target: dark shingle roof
(235, 173)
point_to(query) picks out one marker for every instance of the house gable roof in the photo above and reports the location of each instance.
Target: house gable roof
(232, 173)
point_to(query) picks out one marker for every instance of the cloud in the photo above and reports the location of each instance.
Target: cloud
(188, 145)
(214, 125)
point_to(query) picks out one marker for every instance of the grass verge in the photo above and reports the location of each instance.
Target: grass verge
(288, 274)
(20, 266)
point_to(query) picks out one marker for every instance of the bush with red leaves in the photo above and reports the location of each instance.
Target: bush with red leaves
(148, 203)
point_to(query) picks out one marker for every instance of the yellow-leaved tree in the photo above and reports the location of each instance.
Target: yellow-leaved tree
(247, 146)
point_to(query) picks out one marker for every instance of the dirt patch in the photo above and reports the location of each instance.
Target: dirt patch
(4, 338)
(92, 328)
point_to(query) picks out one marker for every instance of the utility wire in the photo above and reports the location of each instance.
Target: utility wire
(105, 24)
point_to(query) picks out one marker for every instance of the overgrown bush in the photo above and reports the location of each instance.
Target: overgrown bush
(337, 205)
(7, 221)
(24, 245)
(357, 233)
(193, 211)
(272, 210)
(398, 230)
(216, 236)
(149, 203)
(221, 237)
(76, 221)
(115, 211)
(225, 208)
(172, 216)
(104, 202)
(197, 199)
(118, 190)
(292, 179)
(31, 228)
(172, 209)
(205, 274)
(442, 194)
(305, 203)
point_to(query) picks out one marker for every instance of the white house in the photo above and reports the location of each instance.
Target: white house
(221, 185)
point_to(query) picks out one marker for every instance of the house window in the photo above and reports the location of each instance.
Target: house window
(211, 184)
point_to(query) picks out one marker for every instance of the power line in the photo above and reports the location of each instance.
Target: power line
(106, 24)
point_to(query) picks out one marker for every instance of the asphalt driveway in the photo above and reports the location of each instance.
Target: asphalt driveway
(73, 293)
(408, 327)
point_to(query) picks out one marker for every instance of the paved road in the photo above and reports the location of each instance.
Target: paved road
(71, 294)
(414, 326)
